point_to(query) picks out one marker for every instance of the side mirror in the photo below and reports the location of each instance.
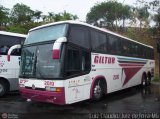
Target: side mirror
(56, 52)
(11, 49)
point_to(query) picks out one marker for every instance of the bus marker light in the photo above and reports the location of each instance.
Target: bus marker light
(8, 57)
(56, 54)
(58, 89)
(53, 89)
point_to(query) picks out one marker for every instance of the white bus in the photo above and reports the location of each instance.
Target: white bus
(9, 68)
(69, 61)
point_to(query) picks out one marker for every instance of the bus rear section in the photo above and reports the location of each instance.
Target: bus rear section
(9, 69)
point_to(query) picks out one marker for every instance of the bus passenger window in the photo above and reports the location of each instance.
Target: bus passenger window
(98, 41)
(125, 48)
(78, 61)
(4, 50)
(79, 36)
(114, 45)
(85, 61)
(73, 61)
(16, 52)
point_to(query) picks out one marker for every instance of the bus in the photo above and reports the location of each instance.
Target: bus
(9, 68)
(69, 61)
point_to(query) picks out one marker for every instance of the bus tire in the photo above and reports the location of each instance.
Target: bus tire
(3, 88)
(97, 91)
(149, 80)
(144, 80)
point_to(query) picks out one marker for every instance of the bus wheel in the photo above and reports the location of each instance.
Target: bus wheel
(3, 88)
(97, 90)
(149, 80)
(144, 81)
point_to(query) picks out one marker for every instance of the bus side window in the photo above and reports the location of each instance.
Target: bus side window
(78, 61)
(4, 50)
(86, 61)
(73, 61)
(79, 36)
(16, 52)
(98, 41)
(114, 44)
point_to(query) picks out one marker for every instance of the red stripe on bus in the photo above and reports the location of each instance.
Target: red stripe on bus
(131, 64)
(44, 96)
(130, 72)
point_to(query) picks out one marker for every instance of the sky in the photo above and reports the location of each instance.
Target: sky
(75, 7)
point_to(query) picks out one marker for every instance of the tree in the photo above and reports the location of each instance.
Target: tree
(37, 14)
(103, 11)
(143, 15)
(156, 8)
(4, 19)
(157, 18)
(67, 16)
(126, 13)
(44, 17)
(21, 18)
(51, 17)
(21, 14)
(108, 12)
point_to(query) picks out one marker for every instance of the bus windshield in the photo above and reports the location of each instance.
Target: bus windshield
(37, 63)
(46, 34)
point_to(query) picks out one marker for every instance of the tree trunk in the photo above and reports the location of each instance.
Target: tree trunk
(123, 24)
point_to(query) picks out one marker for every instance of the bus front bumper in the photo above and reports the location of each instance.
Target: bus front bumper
(44, 96)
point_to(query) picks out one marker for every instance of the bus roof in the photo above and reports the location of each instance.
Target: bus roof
(91, 26)
(12, 34)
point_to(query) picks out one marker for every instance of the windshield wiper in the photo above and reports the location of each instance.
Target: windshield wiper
(36, 69)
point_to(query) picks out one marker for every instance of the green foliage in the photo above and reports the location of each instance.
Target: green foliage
(156, 78)
(16, 29)
(21, 18)
(157, 18)
(21, 14)
(37, 15)
(125, 13)
(109, 12)
(131, 33)
(59, 17)
(143, 13)
(102, 11)
(4, 12)
(23, 28)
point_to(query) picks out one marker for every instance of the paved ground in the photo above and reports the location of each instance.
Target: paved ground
(134, 102)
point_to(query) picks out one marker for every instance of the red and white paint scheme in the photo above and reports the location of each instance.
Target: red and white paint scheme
(9, 65)
(71, 73)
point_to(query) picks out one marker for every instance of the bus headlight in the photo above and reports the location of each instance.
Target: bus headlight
(53, 89)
